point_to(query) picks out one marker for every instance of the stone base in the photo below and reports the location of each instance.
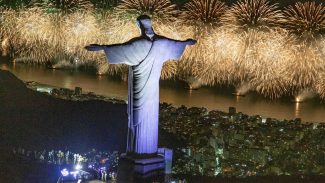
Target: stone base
(146, 165)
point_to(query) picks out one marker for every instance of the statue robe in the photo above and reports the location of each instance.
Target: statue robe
(145, 58)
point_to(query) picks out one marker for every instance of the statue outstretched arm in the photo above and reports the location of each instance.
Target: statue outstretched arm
(130, 53)
(175, 48)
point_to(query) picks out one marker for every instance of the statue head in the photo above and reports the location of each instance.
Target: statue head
(145, 26)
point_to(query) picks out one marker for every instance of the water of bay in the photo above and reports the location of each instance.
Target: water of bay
(174, 92)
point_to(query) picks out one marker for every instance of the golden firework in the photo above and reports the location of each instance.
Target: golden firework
(81, 29)
(262, 58)
(308, 66)
(154, 8)
(8, 31)
(256, 14)
(222, 50)
(32, 42)
(307, 20)
(265, 62)
(206, 12)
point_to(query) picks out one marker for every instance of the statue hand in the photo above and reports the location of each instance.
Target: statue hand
(191, 41)
(93, 47)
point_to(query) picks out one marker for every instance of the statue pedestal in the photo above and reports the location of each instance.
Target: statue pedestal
(146, 165)
(145, 168)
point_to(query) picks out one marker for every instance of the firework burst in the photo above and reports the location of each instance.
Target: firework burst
(29, 24)
(206, 12)
(155, 8)
(257, 14)
(266, 62)
(203, 16)
(254, 60)
(305, 70)
(8, 23)
(81, 29)
(307, 20)
(223, 49)
(104, 29)
(41, 34)
(200, 16)
(30, 44)
(52, 32)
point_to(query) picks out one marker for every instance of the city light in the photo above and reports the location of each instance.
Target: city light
(78, 167)
(65, 172)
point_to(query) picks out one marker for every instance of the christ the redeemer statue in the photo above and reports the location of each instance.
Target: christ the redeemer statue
(145, 56)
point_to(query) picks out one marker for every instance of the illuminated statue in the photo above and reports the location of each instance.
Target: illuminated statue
(145, 56)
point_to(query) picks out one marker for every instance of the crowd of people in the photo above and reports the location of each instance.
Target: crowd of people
(104, 163)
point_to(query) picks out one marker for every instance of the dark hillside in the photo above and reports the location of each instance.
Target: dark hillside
(35, 120)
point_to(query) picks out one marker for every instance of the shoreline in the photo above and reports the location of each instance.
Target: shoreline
(69, 94)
